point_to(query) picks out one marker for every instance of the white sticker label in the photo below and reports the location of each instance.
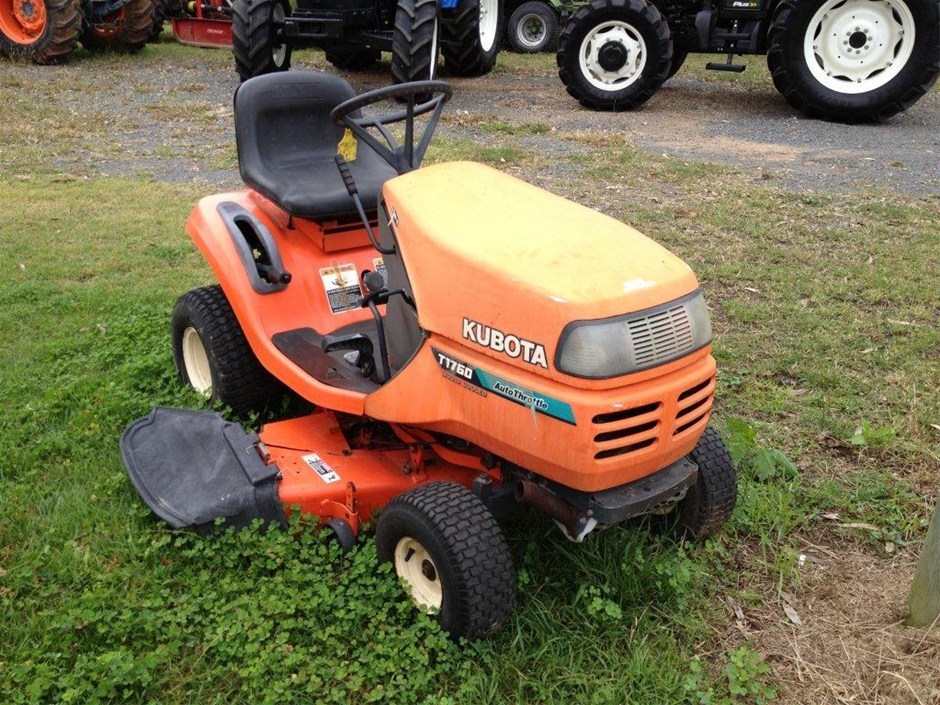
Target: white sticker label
(341, 284)
(326, 473)
(379, 265)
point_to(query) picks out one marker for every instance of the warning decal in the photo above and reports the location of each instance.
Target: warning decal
(379, 265)
(326, 473)
(341, 284)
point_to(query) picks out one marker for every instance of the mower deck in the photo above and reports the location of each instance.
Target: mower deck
(193, 467)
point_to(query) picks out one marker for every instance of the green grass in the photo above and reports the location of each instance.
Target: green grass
(824, 309)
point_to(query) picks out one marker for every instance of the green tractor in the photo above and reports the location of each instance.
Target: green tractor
(46, 31)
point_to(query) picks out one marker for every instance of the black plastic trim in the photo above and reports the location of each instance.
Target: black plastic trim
(634, 498)
(232, 214)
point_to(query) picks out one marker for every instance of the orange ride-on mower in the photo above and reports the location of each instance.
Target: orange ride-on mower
(472, 344)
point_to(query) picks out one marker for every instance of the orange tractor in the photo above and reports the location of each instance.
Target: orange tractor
(46, 31)
(471, 344)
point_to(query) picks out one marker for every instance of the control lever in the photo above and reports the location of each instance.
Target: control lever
(353, 191)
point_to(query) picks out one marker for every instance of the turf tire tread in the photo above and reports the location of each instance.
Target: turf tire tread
(474, 548)
(239, 380)
(710, 502)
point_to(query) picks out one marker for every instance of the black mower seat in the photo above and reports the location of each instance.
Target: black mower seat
(287, 145)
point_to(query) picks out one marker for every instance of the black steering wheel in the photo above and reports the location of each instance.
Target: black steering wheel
(402, 157)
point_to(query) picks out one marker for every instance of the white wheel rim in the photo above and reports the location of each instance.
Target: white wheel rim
(413, 564)
(619, 77)
(856, 46)
(196, 362)
(489, 19)
(530, 30)
(279, 52)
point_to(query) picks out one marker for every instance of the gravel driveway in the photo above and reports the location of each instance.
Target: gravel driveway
(172, 119)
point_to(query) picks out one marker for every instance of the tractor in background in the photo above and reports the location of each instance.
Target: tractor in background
(354, 33)
(46, 31)
(843, 60)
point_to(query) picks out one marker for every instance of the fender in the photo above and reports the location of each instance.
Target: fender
(224, 228)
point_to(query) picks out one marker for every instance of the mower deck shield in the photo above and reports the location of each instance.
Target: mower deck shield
(193, 467)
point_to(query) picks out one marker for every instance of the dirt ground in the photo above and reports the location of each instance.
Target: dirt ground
(174, 123)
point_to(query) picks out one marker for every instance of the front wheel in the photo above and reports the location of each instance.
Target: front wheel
(614, 54)
(532, 27)
(126, 30)
(471, 35)
(854, 60)
(449, 552)
(257, 43)
(709, 502)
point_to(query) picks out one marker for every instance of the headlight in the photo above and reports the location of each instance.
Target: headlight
(613, 347)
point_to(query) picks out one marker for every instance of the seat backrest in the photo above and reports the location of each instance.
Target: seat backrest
(283, 119)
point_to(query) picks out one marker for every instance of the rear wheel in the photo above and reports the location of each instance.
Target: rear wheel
(353, 59)
(212, 355)
(449, 552)
(256, 44)
(471, 36)
(415, 41)
(125, 30)
(44, 30)
(532, 27)
(709, 502)
(854, 60)
(614, 54)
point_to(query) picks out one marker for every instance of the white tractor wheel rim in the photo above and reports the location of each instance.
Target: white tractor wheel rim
(196, 362)
(856, 46)
(414, 565)
(489, 19)
(603, 38)
(530, 30)
(279, 52)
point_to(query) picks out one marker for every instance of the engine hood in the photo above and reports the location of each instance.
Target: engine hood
(501, 266)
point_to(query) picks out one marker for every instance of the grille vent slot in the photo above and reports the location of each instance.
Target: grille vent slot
(661, 336)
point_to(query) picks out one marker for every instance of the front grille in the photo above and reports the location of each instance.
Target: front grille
(627, 431)
(664, 335)
(638, 428)
(695, 404)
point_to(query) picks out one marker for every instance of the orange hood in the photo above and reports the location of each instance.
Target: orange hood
(502, 266)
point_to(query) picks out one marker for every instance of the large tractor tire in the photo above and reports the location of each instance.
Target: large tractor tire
(532, 27)
(449, 552)
(415, 41)
(471, 34)
(255, 44)
(125, 30)
(614, 54)
(46, 31)
(854, 60)
(159, 17)
(212, 355)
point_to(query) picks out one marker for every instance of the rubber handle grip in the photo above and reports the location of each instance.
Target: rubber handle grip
(347, 175)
